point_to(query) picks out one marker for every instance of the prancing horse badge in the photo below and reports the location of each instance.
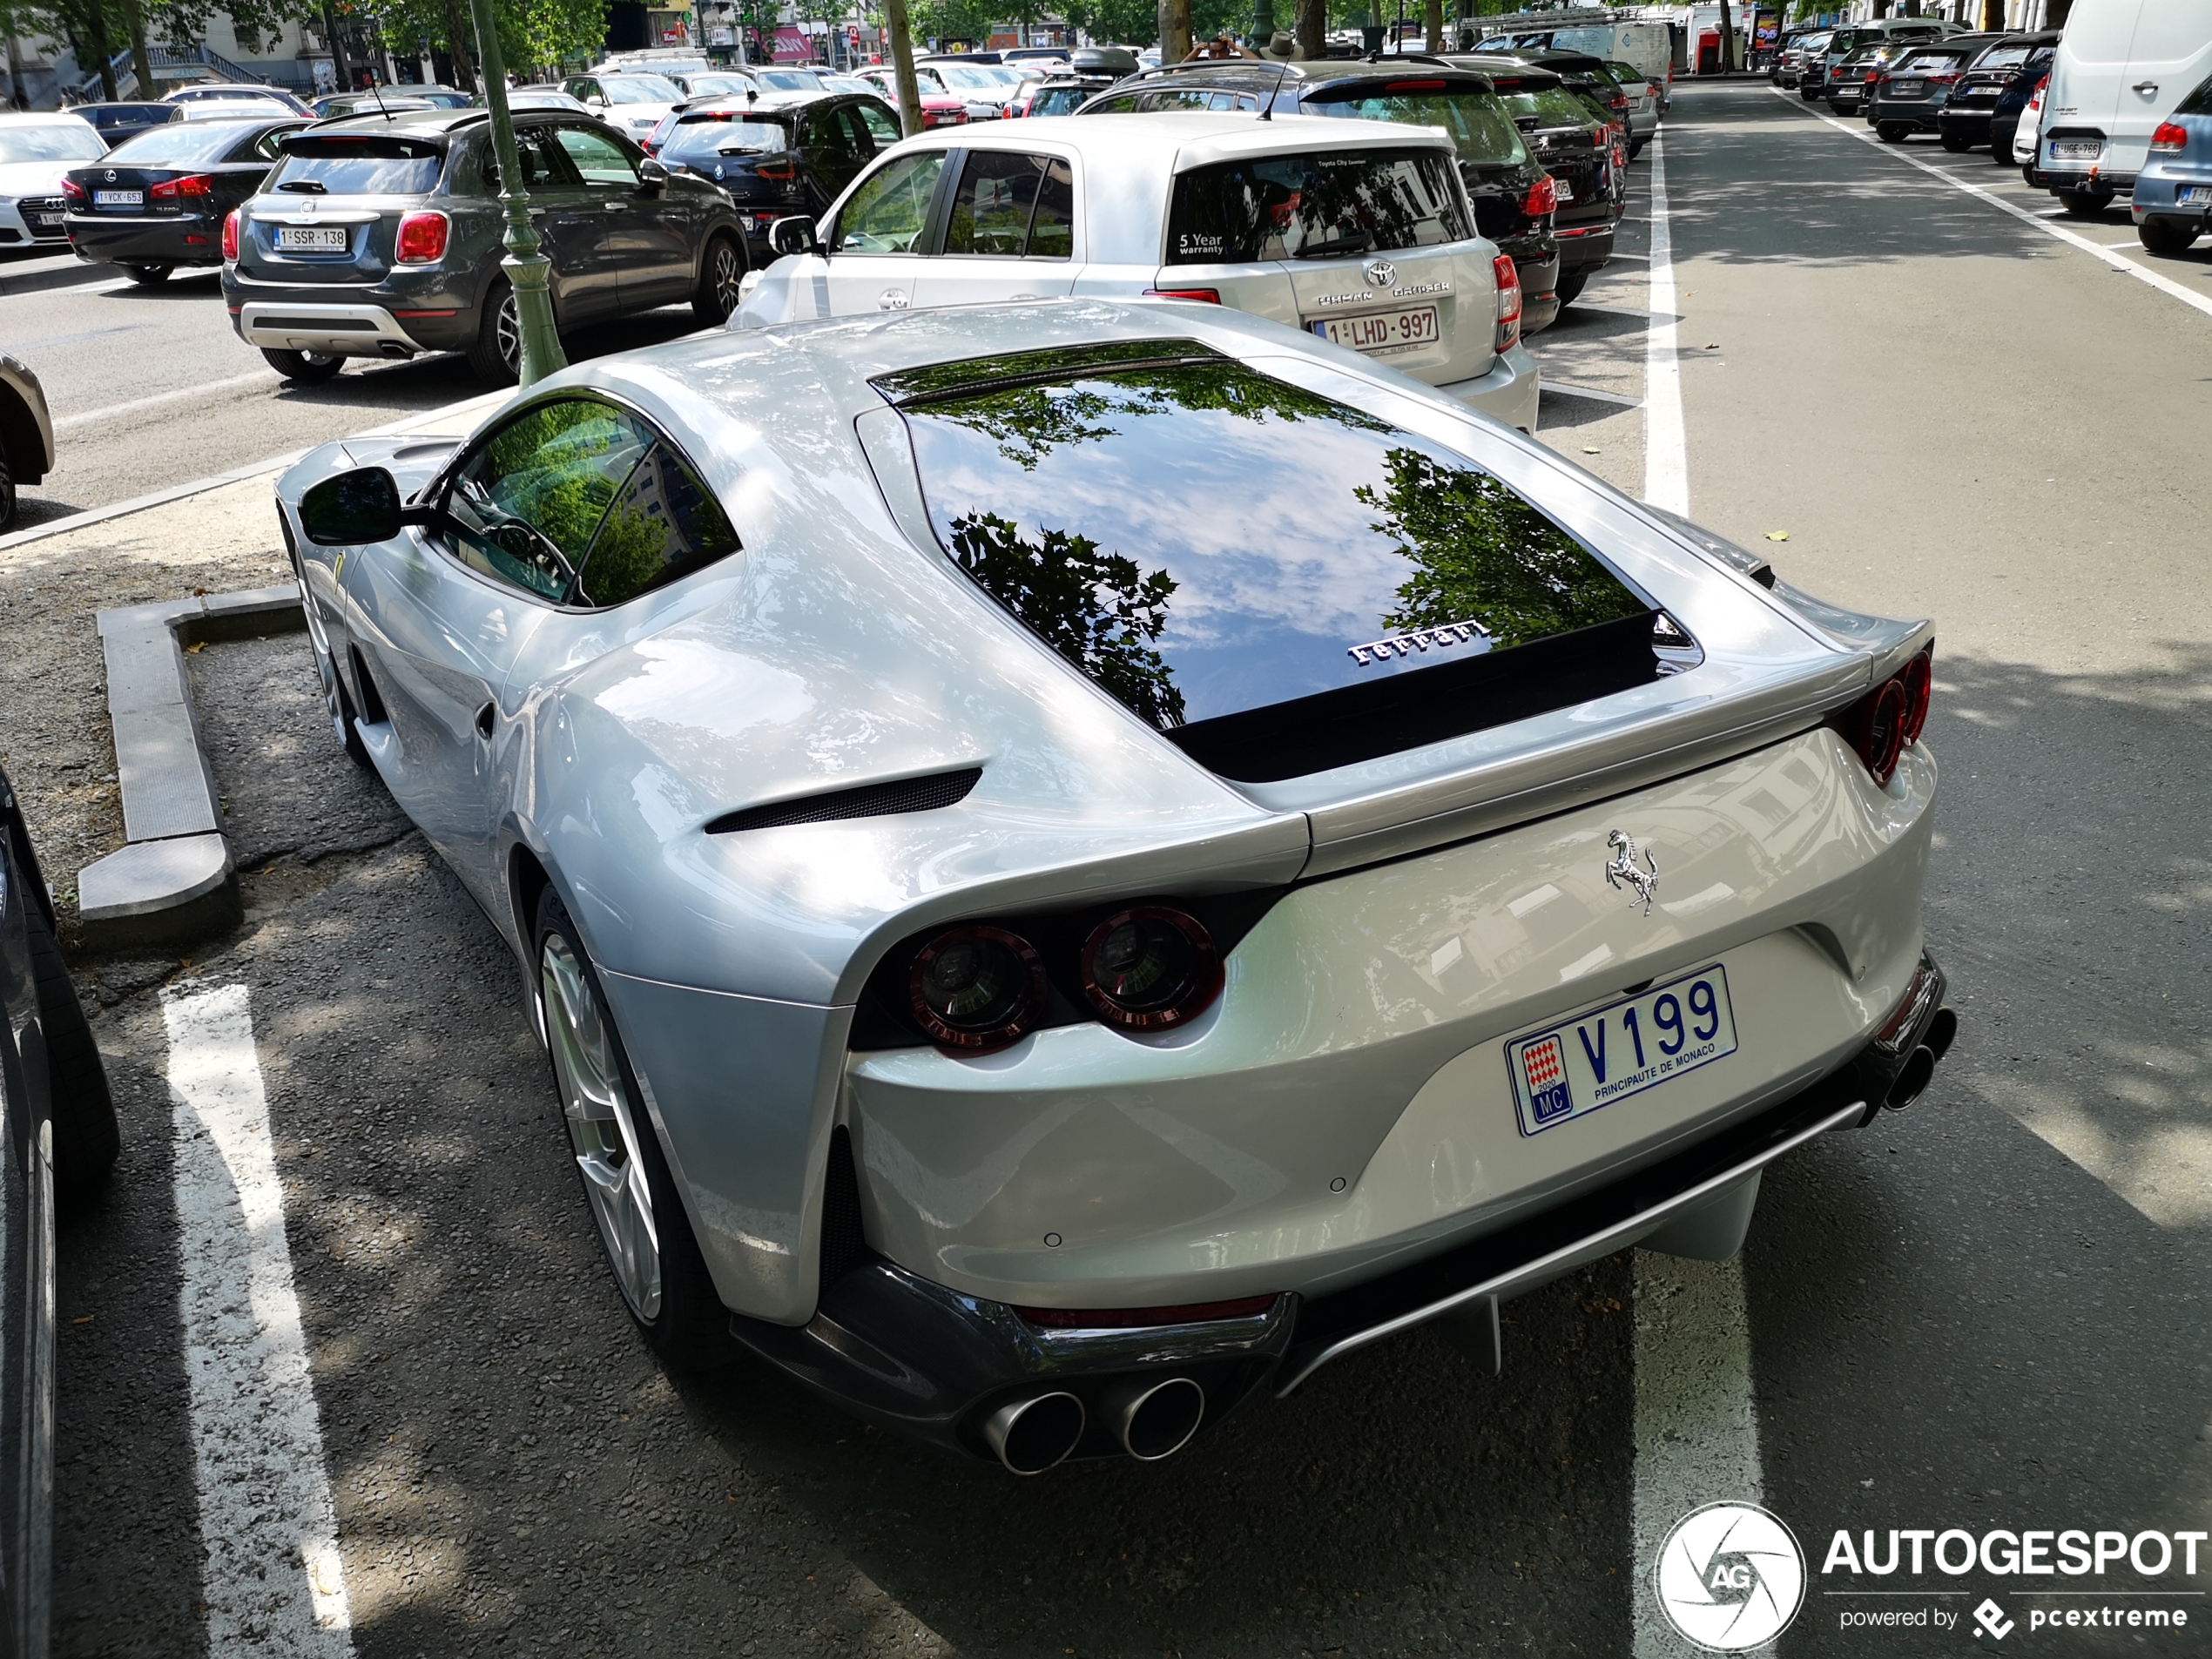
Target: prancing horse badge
(1622, 870)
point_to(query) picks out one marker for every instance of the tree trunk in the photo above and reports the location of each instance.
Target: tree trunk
(902, 66)
(18, 98)
(1728, 40)
(1312, 28)
(1175, 30)
(342, 72)
(1435, 21)
(464, 68)
(134, 19)
(102, 50)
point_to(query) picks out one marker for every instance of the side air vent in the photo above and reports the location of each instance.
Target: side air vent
(869, 800)
(844, 1246)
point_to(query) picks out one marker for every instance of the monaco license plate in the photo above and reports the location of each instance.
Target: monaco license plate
(119, 198)
(1621, 1049)
(2077, 149)
(2195, 193)
(312, 238)
(1383, 332)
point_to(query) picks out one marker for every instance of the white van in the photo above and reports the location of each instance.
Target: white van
(2122, 66)
(1648, 47)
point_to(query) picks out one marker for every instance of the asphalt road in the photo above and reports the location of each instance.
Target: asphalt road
(150, 388)
(1986, 1313)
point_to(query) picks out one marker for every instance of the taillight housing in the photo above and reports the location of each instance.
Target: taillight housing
(193, 185)
(230, 237)
(1881, 725)
(421, 239)
(1203, 296)
(977, 989)
(1542, 198)
(782, 171)
(1508, 302)
(2171, 139)
(1150, 967)
(73, 193)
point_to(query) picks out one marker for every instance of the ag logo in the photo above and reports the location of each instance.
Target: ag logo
(1730, 1576)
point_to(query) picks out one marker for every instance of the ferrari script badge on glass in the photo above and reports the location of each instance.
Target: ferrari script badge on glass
(1729, 1577)
(1380, 273)
(1622, 870)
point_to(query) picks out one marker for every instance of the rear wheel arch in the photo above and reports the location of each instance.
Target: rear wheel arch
(21, 445)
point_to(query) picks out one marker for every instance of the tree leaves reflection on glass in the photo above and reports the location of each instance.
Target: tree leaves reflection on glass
(1480, 552)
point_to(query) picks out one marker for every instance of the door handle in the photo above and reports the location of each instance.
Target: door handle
(2146, 86)
(484, 717)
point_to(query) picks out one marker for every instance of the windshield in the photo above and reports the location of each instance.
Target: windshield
(1059, 100)
(1481, 128)
(1554, 106)
(727, 134)
(968, 76)
(790, 80)
(720, 86)
(2003, 58)
(358, 167)
(176, 146)
(640, 88)
(64, 141)
(1082, 490)
(1331, 204)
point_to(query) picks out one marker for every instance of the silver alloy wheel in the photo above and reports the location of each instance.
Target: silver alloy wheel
(728, 278)
(508, 327)
(596, 1108)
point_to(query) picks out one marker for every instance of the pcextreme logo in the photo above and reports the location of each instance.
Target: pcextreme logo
(1730, 1576)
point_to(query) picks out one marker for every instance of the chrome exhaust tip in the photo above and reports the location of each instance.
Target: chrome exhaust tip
(1913, 1080)
(1942, 1029)
(1031, 1435)
(1156, 1419)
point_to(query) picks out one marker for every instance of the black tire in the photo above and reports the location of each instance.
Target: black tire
(1635, 148)
(309, 368)
(2165, 236)
(722, 271)
(1570, 287)
(1809, 90)
(1957, 143)
(690, 1327)
(7, 491)
(1892, 133)
(496, 354)
(86, 1137)
(2081, 204)
(2028, 173)
(149, 276)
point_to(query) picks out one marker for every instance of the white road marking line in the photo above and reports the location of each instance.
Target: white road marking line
(274, 1582)
(2165, 285)
(68, 422)
(1666, 456)
(1696, 1436)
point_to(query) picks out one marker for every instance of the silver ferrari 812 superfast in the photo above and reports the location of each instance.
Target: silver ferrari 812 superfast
(1078, 859)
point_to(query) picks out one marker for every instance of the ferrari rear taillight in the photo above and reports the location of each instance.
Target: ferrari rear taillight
(230, 237)
(1508, 278)
(977, 989)
(1888, 719)
(2171, 139)
(1150, 967)
(1542, 198)
(194, 184)
(422, 238)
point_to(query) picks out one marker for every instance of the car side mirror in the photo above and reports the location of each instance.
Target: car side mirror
(793, 234)
(652, 178)
(353, 509)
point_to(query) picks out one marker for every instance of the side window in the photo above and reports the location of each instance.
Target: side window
(663, 525)
(1011, 205)
(598, 157)
(890, 211)
(883, 130)
(829, 149)
(264, 147)
(1125, 103)
(527, 504)
(543, 167)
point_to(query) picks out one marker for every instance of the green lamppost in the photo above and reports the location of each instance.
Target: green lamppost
(525, 265)
(1263, 23)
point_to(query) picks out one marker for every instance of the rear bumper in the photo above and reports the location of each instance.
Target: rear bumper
(182, 239)
(1585, 247)
(1971, 125)
(1508, 392)
(1920, 118)
(2072, 182)
(327, 330)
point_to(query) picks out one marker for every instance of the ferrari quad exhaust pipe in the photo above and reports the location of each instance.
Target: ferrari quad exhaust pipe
(1155, 1419)
(1919, 1070)
(1033, 1433)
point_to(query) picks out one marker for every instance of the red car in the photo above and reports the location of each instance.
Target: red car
(939, 108)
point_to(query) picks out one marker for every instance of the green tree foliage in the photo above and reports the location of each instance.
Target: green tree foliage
(1097, 610)
(532, 33)
(1482, 553)
(1126, 22)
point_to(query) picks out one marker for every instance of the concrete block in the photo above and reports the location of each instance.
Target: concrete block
(145, 670)
(245, 614)
(167, 789)
(159, 893)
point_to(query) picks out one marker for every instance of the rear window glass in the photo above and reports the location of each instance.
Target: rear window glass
(1480, 127)
(1059, 100)
(726, 135)
(2003, 58)
(178, 145)
(1327, 205)
(1082, 490)
(2197, 102)
(358, 167)
(1932, 62)
(1553, 107)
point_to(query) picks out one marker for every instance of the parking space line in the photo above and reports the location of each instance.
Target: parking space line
(1666, 459)
(274, 1582)
(70, 422)
(2165, 285)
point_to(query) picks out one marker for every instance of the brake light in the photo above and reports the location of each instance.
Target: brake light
(230, 237)
(170, 190)
(421, 240)
(73, 193)
(779, 170)
(1203, 296)
(1542, 198)
(1508, 302)
(2171, 139)
(1881, 724)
